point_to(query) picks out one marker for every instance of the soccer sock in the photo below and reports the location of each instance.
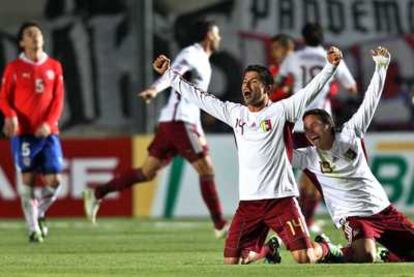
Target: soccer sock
(211, 199)
(30, 207)
(308, 203)
(123, 181)
(48, 195)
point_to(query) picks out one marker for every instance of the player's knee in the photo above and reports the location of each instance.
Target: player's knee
(364, 257)
(304, 256)
(53, 180)
(231, 260)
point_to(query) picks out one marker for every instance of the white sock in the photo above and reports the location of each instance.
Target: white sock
(48, 195)
(30, 207)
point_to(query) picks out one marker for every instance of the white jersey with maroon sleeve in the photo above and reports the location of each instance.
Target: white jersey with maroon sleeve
(348, 185)
(192, 59)
(303, 65)
(264, 155)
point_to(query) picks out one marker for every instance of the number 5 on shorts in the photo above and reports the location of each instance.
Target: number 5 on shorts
(25, 149)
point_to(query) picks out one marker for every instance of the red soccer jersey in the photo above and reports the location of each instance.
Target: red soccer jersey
(33, 92)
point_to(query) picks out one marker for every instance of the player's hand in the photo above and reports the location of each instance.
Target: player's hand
(43, 131)
(148, 94)
(11, 126)
(161, 64)
(334, 55)
(381, 56)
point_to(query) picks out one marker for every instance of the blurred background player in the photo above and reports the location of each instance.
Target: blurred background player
(179, 131)
(281, 46)
(31, 100)
(303, 65)
(354, 198)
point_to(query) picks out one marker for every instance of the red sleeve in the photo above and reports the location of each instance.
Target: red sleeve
(6, 92)
(56, 107)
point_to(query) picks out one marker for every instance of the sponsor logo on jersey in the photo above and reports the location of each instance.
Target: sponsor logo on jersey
(26, 75)
(50, 74)
(266, 125)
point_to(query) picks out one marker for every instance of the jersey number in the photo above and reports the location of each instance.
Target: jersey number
(292, 224)
(39, 85)
(309, 73)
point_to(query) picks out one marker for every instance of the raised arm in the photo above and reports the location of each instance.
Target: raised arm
(360, 121)
(296, 104)
(205, 101)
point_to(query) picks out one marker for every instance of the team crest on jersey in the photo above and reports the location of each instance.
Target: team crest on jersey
(266, 125)
(50, 74)
(325, 167)
(350, 154)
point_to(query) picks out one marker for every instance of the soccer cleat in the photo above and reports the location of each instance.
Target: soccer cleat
(335, 254)
(36, 237)
(42, 226)
(222, 233)
(90, 204)
(382, 255)
(274, 256)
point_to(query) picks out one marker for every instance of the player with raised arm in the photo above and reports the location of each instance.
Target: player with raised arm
(179, 131)
(267, 188)
(31, 100)
(303, 65)
(354, 198)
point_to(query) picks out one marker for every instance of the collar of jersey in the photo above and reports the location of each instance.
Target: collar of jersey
(41, 60)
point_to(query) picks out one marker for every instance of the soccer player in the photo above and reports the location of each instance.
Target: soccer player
(303, 65)
(179, 131)
(354, 198)
(31, 100)
(267, 187)
(281, 46)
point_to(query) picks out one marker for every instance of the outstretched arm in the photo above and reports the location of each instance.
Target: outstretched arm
(205, 101)
(360, 121)
(295, 105)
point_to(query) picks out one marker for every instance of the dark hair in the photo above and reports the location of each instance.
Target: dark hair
(26, 25)
(264, 73)
(312, 34)
(201, 28)
(283, 39)
(323, 115)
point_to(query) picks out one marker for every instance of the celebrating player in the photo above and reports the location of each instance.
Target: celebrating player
(31, 99)
(354, 198)
(267, 187)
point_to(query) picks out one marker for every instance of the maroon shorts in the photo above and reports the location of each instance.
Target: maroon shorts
(388, 227)
(178, 138)
(253, 219)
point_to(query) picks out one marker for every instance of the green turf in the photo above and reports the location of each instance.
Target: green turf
(132, 247)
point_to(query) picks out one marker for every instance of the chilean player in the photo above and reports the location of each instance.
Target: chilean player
(31, 99)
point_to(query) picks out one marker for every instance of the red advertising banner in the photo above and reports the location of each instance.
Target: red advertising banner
(87, 162)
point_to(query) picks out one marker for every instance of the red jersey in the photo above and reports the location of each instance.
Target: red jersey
(279, 94)
(33, 92)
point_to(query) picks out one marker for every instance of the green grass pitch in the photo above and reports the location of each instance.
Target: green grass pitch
(134, 247)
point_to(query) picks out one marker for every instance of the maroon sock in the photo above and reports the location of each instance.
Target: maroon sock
(308, 203)
(325, 249)
(392, 258)
(211, 199)
(121, 182)
(347, 250)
